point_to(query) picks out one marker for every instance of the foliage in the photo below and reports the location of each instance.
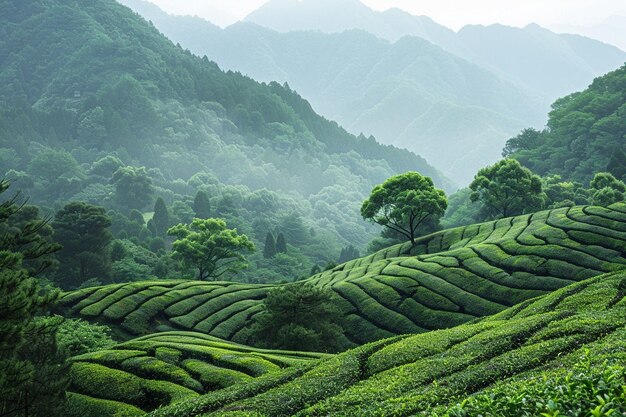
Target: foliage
(443, 280)
(585, 133)
(404, 202)
(83, 231)
(606, 189)
(589, 389)
(28, 354)
(300, 317)
(161, 217)
(506, 189)
(281, 243)
(269, 249)
(133, 187)
(202, 205)
(561, 352)
(208, 246)
(76, 337)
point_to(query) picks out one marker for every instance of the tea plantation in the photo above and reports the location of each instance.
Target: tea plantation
(560, 354)
(446, 279)
(156, 370)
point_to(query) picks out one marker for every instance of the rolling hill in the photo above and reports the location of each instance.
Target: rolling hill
(445, 279)
(564, 351)
(166, 368)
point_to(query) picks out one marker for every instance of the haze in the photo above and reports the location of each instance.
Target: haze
(452, 13)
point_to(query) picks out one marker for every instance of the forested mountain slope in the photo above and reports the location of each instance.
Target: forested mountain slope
(456, 112)
(561, 351)
(88, 87)
(586, 133)
(445, 279)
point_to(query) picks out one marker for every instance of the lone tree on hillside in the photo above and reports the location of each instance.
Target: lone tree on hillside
(300, 317)
(208, 246)
(404, 202)
(506, 189)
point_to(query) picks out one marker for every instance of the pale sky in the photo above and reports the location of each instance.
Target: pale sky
(451, 13)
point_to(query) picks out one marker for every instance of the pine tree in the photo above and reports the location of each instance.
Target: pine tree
(270, 246)
(281, 244)
(161, 217)
(21, 299)
(202, 205)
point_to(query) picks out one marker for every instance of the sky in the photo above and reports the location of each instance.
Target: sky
(451, 13)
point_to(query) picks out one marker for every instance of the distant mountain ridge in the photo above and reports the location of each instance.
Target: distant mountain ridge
(456, 112)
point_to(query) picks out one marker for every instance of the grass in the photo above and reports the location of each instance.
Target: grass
(445, 279)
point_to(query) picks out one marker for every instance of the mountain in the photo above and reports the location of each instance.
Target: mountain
(532, 55)
(456, 112)
(444, 280)
(337, 16)
(586, 133)
(88, 88)
(555, 352)
(609, 30)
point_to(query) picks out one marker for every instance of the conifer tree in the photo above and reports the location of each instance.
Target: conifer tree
(281, 244)
(270, 246)
(21, 299)
(202, 205)
(161, 217)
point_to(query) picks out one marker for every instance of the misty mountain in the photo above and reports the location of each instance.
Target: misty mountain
(410, 93)
(610, 30)
(536, 57)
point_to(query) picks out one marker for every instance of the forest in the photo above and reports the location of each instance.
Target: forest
(182, 240)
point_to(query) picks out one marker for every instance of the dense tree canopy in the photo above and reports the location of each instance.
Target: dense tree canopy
(506, 189)
(404, 202)
(300, 317)
(22, 379)
(83, 231)
(586, 133)
(209, 247)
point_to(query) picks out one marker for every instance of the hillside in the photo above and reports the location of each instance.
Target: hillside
(168, 367)
(557, 351)
(586, 133)
(116, 93)
(446, 279)
(441, 94)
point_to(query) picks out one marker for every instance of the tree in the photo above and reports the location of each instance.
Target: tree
(281, 243)
(161, 217)
(202, 205)
(133, 187)
(269, 250)
(208, 246)
(348, 253)
(506, 189)
(606, 189)
(83, 231)
(300, 317)
(404, 202)
(527, 139)
(23, 340)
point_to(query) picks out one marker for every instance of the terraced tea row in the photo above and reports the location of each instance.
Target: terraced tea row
(526, 349)
(446, 279)
(165, 368)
